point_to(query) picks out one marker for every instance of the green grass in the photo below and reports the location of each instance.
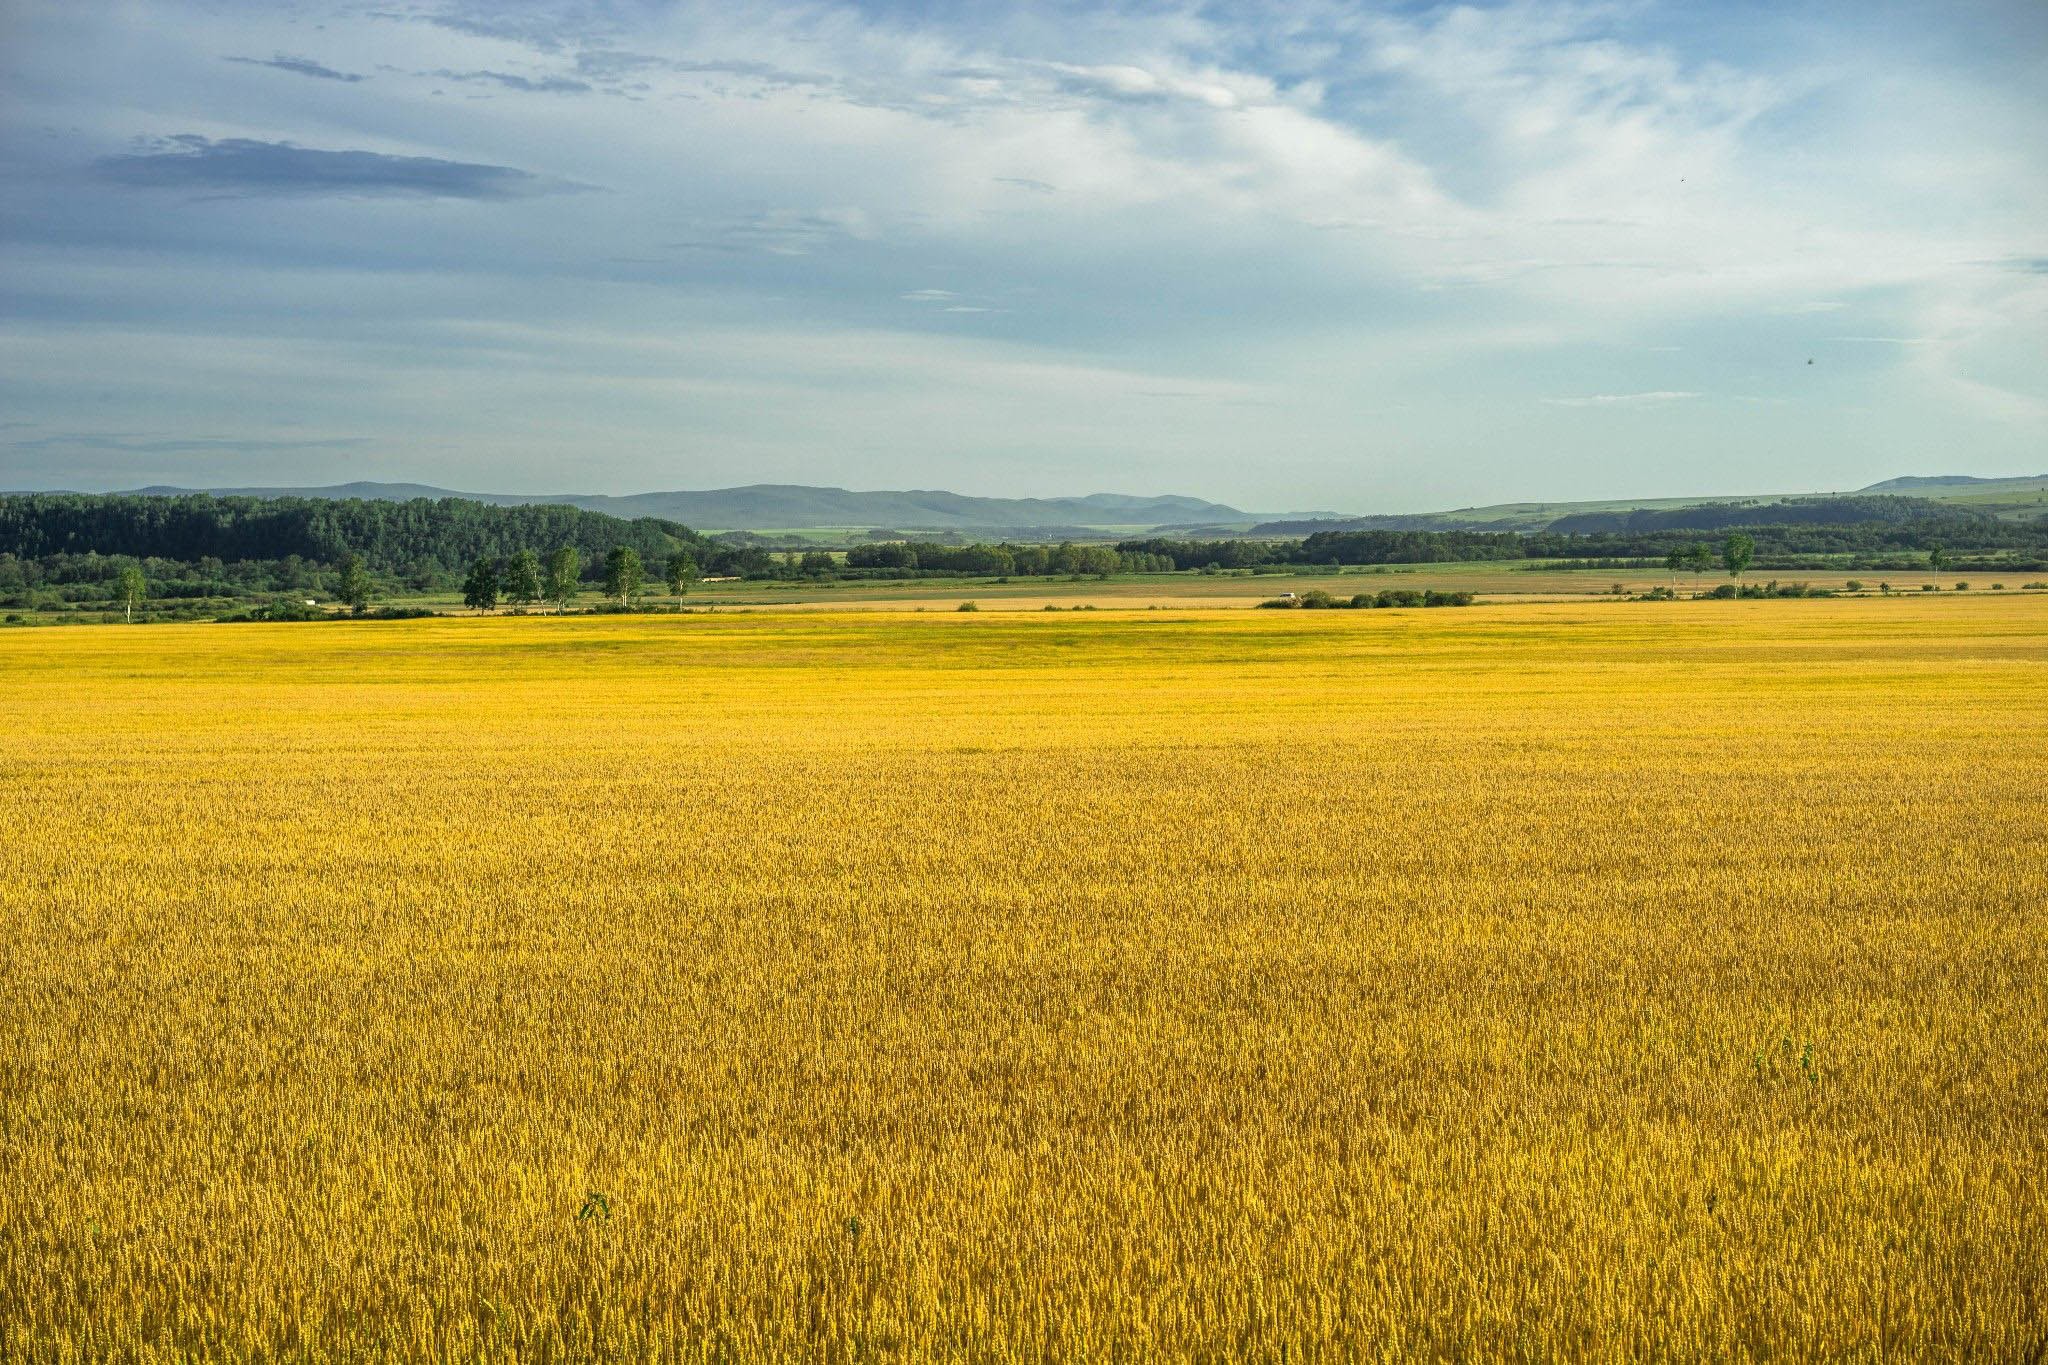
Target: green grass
(2009, 499)
(1492, 580)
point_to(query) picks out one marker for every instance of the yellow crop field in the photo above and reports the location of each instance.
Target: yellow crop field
(1597, 981)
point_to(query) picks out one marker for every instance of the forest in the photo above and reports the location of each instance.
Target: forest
(200, 547)
(1875, 542)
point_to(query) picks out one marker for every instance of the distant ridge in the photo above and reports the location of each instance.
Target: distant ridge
(796, 506)
(1921, 483)
(799, 507)
(2014, 498)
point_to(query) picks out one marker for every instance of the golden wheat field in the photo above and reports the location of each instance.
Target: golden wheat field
(1605, 982)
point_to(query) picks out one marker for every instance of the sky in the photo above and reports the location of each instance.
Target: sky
(1290, 256)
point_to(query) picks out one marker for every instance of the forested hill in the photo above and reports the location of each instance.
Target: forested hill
(1844, 509)
(1720, 516)
(784, 506)
(422, 536)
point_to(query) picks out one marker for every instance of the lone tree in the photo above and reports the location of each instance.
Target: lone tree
(565, 577)
(681, 572)
(355, 584)
(133, 588)
(1736, 552)
(521, 580)
(623, 574)
(1937, 557)
(480, 589)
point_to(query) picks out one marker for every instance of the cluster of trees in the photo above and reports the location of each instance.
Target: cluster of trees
(522, 578)
(1736, 553)
(1317, 600)
(1770, 589)
(1005, 560)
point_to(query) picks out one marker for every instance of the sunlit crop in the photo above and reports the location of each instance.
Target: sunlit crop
(1622, 981)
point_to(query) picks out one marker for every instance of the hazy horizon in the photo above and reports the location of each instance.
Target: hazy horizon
(1360, 257)
(1071, 495)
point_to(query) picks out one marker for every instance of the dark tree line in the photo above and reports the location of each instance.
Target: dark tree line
(1879, 509)
(436, 536)
(1848, 510)
(1024, 561)
(1773, 543)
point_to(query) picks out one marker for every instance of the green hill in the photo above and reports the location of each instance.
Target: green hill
(795, 506)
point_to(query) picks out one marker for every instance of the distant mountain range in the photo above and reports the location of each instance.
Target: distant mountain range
(766, 506)
(2008, 498)
(797, 507)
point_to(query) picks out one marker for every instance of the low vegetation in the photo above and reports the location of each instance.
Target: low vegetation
(1316, 599)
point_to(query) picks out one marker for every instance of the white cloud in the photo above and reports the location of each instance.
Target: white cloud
(1622, 400)
(1216, 90)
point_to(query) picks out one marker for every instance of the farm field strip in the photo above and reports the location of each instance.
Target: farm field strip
(1533, 981)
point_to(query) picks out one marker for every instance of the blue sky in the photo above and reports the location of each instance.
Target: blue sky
(1320, 255)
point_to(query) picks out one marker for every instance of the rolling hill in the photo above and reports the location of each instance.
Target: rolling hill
(2008, 498)
(798, 507)
(1936, 485)
(795, 506)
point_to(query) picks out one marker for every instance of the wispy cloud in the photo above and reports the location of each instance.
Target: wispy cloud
(299, 66)
(249, 167)
(533, 85)
(1623, 400)
(949, 301)
(784, 232)
(1138, 83)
